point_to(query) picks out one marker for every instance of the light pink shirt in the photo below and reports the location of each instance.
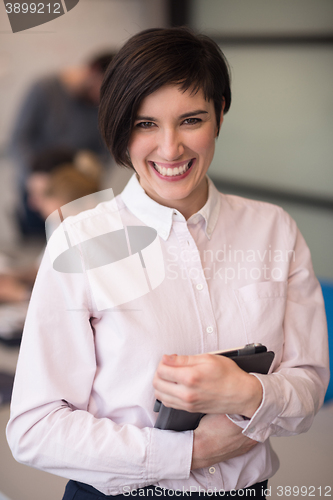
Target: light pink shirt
(236, 272)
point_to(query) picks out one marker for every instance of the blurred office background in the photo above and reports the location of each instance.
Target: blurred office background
(275, 145)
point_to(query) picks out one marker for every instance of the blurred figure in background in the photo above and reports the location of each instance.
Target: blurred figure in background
(38, 177)
(58, 177)
(59, 111)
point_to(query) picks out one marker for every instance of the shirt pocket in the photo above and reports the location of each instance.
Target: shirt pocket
(262, 307)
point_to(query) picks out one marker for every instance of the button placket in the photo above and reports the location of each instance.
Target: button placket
(193, 265)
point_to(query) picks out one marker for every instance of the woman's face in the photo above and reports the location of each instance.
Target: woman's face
(172, 145)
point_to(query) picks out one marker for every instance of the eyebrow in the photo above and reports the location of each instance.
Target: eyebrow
(185, 115)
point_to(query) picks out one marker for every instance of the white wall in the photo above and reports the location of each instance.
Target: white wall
(278, 131)
(229, 17)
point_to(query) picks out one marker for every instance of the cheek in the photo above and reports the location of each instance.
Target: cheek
(140, 147)
(205, 144)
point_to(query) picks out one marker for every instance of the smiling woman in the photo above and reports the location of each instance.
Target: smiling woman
(171, 153)
(93, 362)
(175, 107)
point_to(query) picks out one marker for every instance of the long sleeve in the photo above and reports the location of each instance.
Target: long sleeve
(51, 425)
(295, 391)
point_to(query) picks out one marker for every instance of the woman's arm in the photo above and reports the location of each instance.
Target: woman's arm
(288, 399)
(51, 427)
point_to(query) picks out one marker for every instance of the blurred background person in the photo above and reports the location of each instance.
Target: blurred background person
(38, 178)
(61, 176)
(59, 111)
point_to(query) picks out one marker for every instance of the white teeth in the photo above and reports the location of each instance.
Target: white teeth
(171, 172)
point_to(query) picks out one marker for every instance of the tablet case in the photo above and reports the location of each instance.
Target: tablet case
(181, 420)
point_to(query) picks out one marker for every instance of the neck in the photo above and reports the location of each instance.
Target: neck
(186, 206)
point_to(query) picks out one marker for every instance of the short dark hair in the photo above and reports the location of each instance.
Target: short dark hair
(149, 60)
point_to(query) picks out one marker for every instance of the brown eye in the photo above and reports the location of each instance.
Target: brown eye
(145, 124)
(192, 121)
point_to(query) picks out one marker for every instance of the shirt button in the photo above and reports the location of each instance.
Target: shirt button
(209, 329)
(211, 470)
(251, 430)
(199, 286)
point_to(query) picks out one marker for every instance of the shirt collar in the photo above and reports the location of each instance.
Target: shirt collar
(160, 217)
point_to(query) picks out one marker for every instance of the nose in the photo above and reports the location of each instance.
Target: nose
(170, 145)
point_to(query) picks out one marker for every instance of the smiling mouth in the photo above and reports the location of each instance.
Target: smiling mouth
(172, 172)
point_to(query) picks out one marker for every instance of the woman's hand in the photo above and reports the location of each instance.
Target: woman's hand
(217, 439)
(206, 383)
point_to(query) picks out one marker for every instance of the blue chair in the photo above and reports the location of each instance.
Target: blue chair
(327, 288)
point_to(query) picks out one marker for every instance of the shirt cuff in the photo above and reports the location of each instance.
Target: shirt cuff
(260, 426)
(170, 455)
